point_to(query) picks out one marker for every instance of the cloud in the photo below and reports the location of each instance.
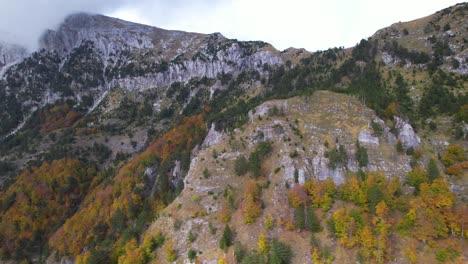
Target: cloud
(25, 20)
(312, 24)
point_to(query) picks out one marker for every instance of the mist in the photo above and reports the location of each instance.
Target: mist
(23, 21)
(310, 24)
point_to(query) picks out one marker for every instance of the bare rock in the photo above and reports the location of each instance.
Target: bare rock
(365, 137)
(406, 134)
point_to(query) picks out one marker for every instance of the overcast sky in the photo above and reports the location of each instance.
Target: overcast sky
(310, 24)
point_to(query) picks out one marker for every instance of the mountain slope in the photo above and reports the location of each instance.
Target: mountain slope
(378, 164)
(302, 133)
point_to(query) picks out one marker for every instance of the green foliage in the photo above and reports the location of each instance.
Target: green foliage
(300, 217)
(313, 223)
(241, 166)
(445, 254)
(296, 175)
(255, 159)
(226, 239)
(280, 253)
(294, 154)
(39, 202)
(206, 173)
(192, 254)
(417, 176)
(374, 196)
(177, 224)
(191, 237)
(337, 157)
(399, 147)
(432, 170)
(378, 129)
(361, 155)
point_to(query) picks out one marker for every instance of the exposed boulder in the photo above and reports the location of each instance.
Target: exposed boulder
(406, 134)
(213, 137)
(365, 137)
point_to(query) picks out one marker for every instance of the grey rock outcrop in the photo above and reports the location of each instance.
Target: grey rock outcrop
(365, 137)
(406, 134)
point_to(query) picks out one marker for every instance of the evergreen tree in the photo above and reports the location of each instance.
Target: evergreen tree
(361, 155)
(432, 170)
(313, 223)
(300, 217)
(226, 239)
(280, 253)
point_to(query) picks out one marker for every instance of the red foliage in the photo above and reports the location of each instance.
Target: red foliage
(40, 200)
(125, 193)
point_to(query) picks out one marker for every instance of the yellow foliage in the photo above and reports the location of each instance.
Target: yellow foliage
(410, 252)
(169, 251)
(263, 245)
(381, 209)
(367, 241)
(224, 213)
(316, 255)
(251, 201)
(268, 223)
(452, 155)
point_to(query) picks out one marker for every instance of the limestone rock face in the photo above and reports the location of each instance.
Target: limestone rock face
(365, 137)
(406, 134)
(213, 137)
(89, 55)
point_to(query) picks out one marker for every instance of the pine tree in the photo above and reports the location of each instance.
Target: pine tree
(432, 170)
(226, 239)
(300, 217)
(313, 223)
(280, 253)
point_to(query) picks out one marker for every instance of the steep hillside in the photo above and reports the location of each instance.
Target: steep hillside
(158, 145)
(303, 133)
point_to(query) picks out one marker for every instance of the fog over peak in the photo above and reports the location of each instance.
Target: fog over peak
(23, 21)
(310, 24)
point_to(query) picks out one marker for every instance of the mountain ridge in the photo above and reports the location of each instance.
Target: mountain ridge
(193, 130)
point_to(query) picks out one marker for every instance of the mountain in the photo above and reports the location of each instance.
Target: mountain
(126, 143)
(9, 54)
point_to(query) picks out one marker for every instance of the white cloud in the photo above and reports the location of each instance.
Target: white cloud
(312, 24)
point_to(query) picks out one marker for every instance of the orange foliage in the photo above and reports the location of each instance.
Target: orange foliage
(251, 201)
(298, 196)
(59, 116)
(125, 193)
(458, 168)
(391, 110)
(321, 192)
(40, 200)
(431, 214)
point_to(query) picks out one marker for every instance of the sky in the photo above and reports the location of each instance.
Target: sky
(310, 24)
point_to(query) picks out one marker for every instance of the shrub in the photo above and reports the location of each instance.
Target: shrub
(337, 157)
(191, 237)
(241, 166)
(378, 130)
(192, 254)
(268, 223)
(399, 147)
(361, 155)
(206, 173)
(177, 224)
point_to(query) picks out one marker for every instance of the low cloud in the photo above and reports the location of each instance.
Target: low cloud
(312, 24)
